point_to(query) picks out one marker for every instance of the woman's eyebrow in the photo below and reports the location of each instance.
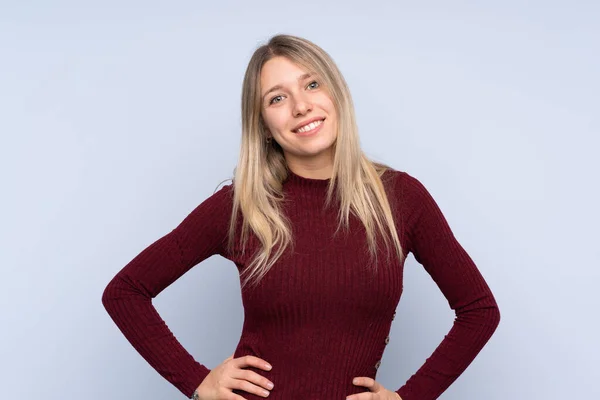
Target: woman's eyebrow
(277, 87)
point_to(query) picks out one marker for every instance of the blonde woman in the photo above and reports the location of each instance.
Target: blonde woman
(319, 234)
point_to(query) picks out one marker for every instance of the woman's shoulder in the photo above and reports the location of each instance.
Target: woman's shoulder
(406, 188)
(401, 179)
(214, 207)
(223, 192)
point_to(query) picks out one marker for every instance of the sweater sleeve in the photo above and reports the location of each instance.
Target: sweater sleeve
(128, 296)
(435, 247)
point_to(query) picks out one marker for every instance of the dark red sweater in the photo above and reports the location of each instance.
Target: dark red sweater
(319, 316)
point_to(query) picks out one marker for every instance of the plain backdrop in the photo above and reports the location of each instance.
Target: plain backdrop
(117, 118)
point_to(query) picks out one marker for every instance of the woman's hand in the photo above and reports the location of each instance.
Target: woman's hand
(378, 392)
(229, 375)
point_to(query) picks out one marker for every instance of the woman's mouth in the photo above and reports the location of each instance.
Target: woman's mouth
(310, 129)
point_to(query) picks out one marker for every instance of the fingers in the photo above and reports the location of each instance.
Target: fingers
(250, 381)
(370, 383)
(258, 383)
(247, 386)
(374, 387)
(252, 361)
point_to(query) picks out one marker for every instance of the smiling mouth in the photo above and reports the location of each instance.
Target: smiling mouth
(306, 128)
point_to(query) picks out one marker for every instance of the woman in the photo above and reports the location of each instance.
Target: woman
(319, 234)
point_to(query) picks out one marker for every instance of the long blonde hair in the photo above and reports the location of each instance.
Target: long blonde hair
(262, 168)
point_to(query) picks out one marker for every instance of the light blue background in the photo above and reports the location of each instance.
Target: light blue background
(118, 118)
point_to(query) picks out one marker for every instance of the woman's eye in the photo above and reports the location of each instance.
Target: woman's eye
(272, 100)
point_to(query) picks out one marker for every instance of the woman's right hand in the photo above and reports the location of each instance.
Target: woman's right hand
(229, 375)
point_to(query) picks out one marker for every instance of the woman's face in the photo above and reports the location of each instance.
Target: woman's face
(289, 100)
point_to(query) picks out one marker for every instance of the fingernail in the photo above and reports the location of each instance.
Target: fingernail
(268, 366)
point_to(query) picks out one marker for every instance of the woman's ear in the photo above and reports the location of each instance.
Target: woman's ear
(264, 126)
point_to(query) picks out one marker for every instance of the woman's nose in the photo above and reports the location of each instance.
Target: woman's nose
(302, 107)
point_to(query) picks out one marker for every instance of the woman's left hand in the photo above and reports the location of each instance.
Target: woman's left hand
(378, 392)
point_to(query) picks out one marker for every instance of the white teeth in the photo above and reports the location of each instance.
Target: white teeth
(310, 126)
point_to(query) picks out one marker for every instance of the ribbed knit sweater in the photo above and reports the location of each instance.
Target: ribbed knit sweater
(320, 316)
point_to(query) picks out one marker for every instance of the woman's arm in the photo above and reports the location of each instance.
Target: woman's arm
(128, 296)
(434, 246)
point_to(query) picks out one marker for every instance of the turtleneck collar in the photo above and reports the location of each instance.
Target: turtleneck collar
(297, 181)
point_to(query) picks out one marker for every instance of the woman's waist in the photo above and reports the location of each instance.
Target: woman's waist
(312, 369)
